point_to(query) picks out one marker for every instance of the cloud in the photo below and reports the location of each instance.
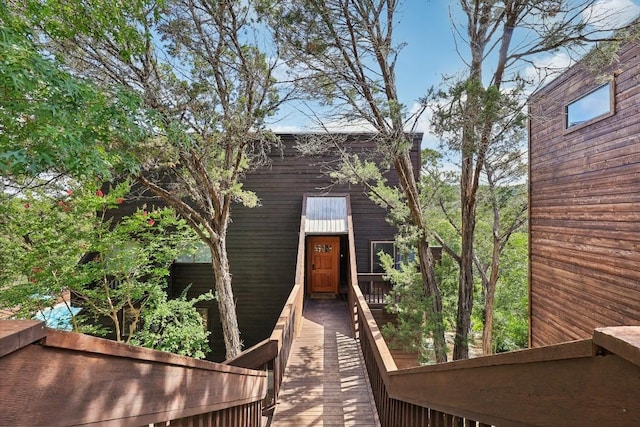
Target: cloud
(608, 14)
(418, 119)
(547, 67)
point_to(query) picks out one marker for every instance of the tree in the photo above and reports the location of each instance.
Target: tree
(46, 234)
(51, 121)
(342, 52)
(60, 136)
(126, 266)
(505, 201)
(174, 326)
(473, 114)
(511, 326)
(207, 88)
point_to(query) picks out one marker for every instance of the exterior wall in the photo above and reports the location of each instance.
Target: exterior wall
(262, 242)
(585, 208)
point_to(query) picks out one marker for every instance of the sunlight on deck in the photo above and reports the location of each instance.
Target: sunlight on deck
(325, 381)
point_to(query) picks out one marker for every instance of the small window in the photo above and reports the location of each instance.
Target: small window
(196, 253)
(387, 247)
(591, 107)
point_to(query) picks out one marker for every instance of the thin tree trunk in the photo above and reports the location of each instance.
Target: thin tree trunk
(487, 327)
(434, 297)
(465, 287)
(404, 168)
(226, 303)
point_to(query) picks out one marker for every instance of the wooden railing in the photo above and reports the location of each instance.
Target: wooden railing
(55, 378)
(272, 354)
(86, 380)
(593, 382)
(374, 288)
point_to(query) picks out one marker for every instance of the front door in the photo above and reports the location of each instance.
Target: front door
(323, 263)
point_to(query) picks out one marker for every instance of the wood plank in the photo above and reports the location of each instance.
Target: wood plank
(623, 341)
(325, 381)
(55, 386)
(584, 207)
(586, 391)
(15, 334)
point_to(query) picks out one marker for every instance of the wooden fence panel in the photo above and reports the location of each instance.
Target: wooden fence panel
(69, 379)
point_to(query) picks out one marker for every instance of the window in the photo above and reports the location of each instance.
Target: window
(591, 107)
(387, 247)
(322, 248)
(196, 253)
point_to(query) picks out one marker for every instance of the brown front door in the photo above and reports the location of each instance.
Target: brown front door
(323, 263)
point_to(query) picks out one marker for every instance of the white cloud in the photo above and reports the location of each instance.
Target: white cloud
(418, 119)
(547, 67)
(607, 14)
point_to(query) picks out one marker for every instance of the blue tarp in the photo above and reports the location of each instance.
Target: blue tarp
(58, 317)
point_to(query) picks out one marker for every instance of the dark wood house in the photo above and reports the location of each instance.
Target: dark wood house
(584, 188)
(263, 241)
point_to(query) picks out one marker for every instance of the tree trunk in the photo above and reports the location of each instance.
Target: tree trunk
(465, 286)
(434, 298)
(404, 168)
(226, 303)
(487, 327)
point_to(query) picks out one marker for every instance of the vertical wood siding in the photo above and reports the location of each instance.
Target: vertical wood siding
(263, 241)
(585, 208)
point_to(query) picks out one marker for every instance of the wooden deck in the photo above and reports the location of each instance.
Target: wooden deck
(325, 382)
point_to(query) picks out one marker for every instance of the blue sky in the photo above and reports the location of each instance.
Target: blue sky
(430, 53)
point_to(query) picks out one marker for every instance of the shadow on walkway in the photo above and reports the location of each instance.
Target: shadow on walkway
(325, 381)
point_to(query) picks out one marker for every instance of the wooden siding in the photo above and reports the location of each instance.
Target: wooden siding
(263, 241)
(585, 208)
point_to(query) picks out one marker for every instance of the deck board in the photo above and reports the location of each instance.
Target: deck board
(325, 382)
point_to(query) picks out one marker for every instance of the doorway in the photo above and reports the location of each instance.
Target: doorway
(323, 264)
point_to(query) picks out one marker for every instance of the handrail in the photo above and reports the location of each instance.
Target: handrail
(80, 379)
(374, 287)
(589, 382)
(274, 351)
(99, 381)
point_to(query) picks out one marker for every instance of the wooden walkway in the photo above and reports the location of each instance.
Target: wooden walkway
(325, 382)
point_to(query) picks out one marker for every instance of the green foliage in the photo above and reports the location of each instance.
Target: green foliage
(511, 321)
(205, 88)
(52, 121)
(175, 326)
(130, 266)
(44, 234)
(408, 302)
(342, 54)
(440, 198)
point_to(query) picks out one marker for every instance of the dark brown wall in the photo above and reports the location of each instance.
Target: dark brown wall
(262, 242)
(585, 208)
